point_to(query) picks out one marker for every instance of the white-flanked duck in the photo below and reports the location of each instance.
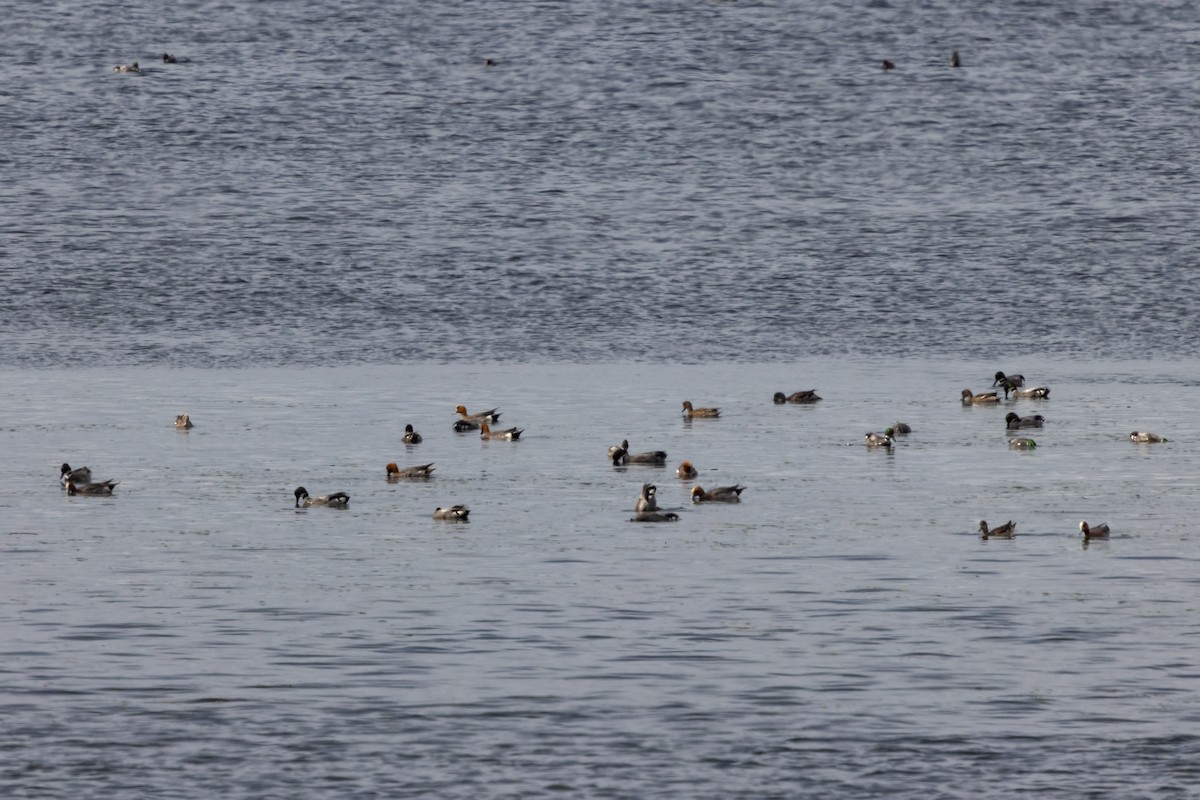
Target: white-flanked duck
(183, 422)
(690, 412)
(1094, 531)
(1022, 444)
(885, 439)
(722, 494)
(411, 436)
(1146, 436)
(806, 396)
(1012, 421)
(1005, 531)
(394, 473)
(1036, 392)
(620, 455)
(507, 435)
(335, 500)
(969, 398)
(456, 513)
(77, 476)
(91, 489)
(647, 500)
(127, 67)
(686, 471)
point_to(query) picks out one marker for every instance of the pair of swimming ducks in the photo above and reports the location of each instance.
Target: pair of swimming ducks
(79, 481)
(646, 507)
(455, 513)
(1009, 529)
(134, 68)
(482, 422)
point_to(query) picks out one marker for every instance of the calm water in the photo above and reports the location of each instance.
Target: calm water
(332, 219)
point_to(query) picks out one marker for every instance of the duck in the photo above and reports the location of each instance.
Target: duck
(1005, 531)
(885, 439)
(1008, 382)
(335, 500)
(806, 396)
(888, 65)
(1036, 392)
(686, 471)
(463, 425)
(647, 501)
(1022, 444)
(1146, 436)
(901, 428)
(722, 494)
(411, 436)
(1012, 421)
(490, 416)
(1094, 532)
(620, 455)
(508, 434)
(169, 59)
(394, 473)
(456, 513)
(78, 476)
(955, 61)
(92, 489)
(970, 398)
(689, 412)
(654, 516)
(127, 67)
(183, 422)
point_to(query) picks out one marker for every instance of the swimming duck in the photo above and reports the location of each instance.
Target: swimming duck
(169, 59)
(888, 65)
(127, 67)
(646, 501)
(508, 434)
(411, 436)
(490, 416)
(1008, 382)
(394, 473)
(456, 513)
(78, 476)
(462, 425)
(686, 471)
(1022, 444)
(722, 494)
(1146, 436)
(885, 439)
(93, 489)
(955, 61)
(806, 396)
(1012, 421)
(690, 412)
(1096, 532)
(901, 427)
(970, 398)
(620, 455)
(1036, 392)
(183, 422)
(1005, 531)
(335, 500)
(654, 516)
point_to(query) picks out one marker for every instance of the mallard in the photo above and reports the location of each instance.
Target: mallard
(169, 59)
(335, 500)
(885, 439)
(394, 473)
(490, 416)
(1146, 436)
(411, 436)
(690, 412)
(183, 422)
(1005, 531)
(1036, 392)
(1022, 444)
(901, 427)
(970, 398)
(646, 501)
(620, 455)
(456, 513)
(1008, 382)
(77, 476)
(1012, 421)
(654, 516)
(104, 487)
(508, 434)
(1094, 532)
(127, 67)
(722, 494)
(686, 471)
(806, 396)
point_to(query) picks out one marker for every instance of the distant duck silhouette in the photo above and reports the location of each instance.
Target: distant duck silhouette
(888, 65)
(169, 59)
(1005, 531)
(955, 61)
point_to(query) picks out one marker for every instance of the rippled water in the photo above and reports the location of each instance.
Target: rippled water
(323, 183)
(843, 631)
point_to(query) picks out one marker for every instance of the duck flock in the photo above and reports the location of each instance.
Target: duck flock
(78, 481)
